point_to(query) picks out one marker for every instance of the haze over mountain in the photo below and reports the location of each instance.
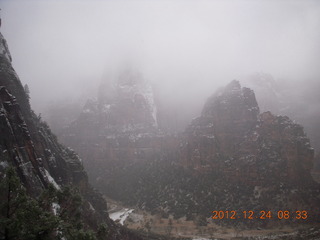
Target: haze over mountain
(230, 157)
(192, 46)
(177, 108)
(45, 192)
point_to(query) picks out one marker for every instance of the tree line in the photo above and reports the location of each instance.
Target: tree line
(54, 215)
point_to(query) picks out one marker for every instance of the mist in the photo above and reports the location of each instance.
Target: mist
(187, 49)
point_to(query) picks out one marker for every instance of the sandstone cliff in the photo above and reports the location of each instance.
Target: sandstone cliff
(295, 99)
(118, 126)
(27, 144)
(231, 157)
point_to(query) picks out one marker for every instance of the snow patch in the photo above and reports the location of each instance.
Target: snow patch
(91, 207)
(55, 208)
(257, 192)
(4, 164)
(106, 108)
(121, 216)
(51, 180)
(150, 99)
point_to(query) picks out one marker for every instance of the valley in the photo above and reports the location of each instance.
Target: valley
(181, 228)
(160, 120)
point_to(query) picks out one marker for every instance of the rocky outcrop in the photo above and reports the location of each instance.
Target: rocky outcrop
(260, 142)
(27, 143)
(119, 126)
(296, 99)
(231, 157)
(124, 107)
(226, 117)
(16, 144)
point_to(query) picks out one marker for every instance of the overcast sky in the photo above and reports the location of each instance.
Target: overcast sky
(62, 48)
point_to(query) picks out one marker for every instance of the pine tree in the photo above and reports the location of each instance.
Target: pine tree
(103, 231)
(21, 216)
(71, 225)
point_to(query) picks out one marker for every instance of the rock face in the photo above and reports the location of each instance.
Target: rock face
(228, 115)
(290, 98)
(269, 94)
(124, 107)
(129, 102)
(231, 157)
(262, 141)
(27, 143)
(119, 126)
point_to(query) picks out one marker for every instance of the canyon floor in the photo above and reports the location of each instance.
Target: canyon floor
(141, 220)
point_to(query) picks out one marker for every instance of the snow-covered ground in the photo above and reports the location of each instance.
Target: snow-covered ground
(121, 215)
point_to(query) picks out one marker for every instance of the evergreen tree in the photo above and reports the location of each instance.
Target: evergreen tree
(55, 215)
(103, 231)
(21, 217)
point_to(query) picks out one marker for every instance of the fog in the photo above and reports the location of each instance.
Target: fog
(63, 49)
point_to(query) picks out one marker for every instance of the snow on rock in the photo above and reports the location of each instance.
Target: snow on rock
(4, 164)
(91, 207)
(148, 94)
(121, 215)
(50, 179)
(55, 208)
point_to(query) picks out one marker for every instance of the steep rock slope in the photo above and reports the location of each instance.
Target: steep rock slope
(119, 126)
(228, 115)
(230, 158)
(27, 143)
(231, 118)
(124, 107)
(297, 99)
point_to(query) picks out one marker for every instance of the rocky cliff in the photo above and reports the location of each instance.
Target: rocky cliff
(27, 144)
(232, 120)
(298, 100)
(124, 107)
(227, 116)
(230, 158)
(118, 126)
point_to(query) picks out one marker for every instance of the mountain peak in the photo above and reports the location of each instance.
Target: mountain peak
(232, 98)
(4, 49)
(227, 116)
(233, 85)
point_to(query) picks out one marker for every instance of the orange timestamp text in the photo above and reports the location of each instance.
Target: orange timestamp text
(285, 214)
